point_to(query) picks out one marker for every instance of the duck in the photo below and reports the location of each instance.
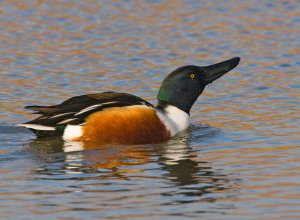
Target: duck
(126, 119)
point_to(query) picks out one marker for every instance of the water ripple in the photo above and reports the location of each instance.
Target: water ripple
(239, 159)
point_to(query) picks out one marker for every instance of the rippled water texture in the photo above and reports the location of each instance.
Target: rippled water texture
(239, 160)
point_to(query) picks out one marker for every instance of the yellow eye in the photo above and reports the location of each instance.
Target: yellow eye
(193, 75)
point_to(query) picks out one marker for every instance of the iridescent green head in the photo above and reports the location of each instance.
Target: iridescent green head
(182, 87)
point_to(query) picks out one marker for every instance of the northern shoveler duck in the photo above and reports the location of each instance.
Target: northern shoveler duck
(122, 118)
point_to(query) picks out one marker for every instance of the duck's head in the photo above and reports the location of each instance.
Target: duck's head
(182, 87)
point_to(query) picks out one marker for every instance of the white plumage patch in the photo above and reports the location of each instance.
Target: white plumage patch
(174, 119)
(37, 127)
(72, 132)
(59, 115)
(90, 108)
(66, 121)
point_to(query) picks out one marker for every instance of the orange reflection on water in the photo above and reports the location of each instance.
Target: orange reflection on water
(53, 50)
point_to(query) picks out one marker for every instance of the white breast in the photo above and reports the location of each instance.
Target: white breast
(174, 119)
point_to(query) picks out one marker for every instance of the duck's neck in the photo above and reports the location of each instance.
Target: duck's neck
(163, 105)
(174, 118)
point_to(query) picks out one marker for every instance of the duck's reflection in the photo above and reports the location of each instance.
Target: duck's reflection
(90, 157)
(191, 176)
(178, 161)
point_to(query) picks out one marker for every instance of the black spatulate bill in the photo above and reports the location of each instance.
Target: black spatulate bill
(215, 71)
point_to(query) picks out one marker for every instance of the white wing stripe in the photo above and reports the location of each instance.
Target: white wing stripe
(55, 116)
(92, 108)
(87, 109)
(67, 120)
(37, 127)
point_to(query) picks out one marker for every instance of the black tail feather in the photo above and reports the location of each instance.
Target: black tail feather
(41, 109)
(43, 134)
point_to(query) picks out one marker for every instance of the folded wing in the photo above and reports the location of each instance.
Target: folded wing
(74, 111)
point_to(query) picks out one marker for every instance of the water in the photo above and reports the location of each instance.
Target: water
(239, 160)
